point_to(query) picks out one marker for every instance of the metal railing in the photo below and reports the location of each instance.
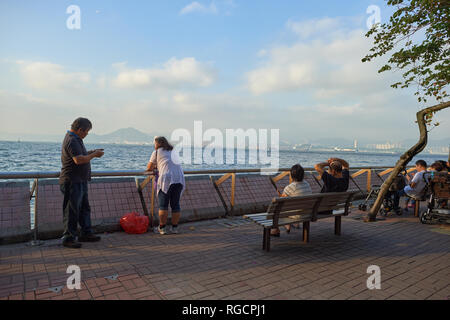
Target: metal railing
(226, 174)
(131, 173)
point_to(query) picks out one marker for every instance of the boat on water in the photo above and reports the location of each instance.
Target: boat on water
(345, 149)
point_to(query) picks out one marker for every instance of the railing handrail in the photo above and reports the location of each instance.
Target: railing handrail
(133, 173)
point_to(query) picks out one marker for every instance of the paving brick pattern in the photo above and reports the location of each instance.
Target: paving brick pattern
(14, 208)
(217, 260)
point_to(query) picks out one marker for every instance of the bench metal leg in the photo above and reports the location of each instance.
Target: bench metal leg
(337, 225)
(306, 231)
(264, 238)
(268, 240)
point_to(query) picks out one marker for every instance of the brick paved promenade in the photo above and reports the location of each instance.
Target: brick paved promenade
(222, 259)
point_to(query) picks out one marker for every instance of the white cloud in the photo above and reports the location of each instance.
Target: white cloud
(200, 8)
(281, 77)
(317, 63)
(307, 28)
(174, 73)
(101, 82)
(46, 75)
(334, 110)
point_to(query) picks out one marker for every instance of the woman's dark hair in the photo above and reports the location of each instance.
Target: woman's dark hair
(297, 173)
(444, 164)
(81, 123)
(421, 163)
(336, 166)
(163, 143)
(438, 166)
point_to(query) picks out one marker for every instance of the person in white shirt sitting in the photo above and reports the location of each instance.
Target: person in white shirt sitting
(298, 187)
(415, 188)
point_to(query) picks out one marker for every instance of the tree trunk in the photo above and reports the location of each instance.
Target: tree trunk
(406, 157)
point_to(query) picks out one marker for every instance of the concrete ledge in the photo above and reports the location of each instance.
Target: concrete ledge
(111, 198)
(14, 210)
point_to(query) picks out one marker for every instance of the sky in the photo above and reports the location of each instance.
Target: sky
(158, 66)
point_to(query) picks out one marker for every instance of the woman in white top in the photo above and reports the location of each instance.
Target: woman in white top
(298, 187)
(170, 182)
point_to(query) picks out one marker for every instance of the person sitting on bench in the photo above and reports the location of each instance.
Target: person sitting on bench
(337, 178)
(298, 187)
(415, 188)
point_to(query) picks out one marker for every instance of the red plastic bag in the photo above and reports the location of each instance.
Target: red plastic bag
(133, 223)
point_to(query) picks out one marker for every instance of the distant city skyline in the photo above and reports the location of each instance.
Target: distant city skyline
(161, 65)
(134, 136)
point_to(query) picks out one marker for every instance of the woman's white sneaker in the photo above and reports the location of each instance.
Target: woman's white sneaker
(162, 230)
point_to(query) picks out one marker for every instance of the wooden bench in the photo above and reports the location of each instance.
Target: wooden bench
(305, 209)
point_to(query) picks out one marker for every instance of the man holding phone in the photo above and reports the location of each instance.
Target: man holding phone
(73, 181)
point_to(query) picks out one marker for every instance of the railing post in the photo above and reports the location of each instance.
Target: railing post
(369, 180)
(35, 241)
(152, 201)
(233, 190)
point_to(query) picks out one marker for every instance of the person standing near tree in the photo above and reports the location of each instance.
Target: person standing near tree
(73, 181)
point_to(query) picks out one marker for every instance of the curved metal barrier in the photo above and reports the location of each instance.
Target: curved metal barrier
(208, 194)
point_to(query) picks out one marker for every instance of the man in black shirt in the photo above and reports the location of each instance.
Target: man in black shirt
(73, 181)
(337, 177)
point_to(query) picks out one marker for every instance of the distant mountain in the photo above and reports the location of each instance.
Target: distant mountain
(122, 136)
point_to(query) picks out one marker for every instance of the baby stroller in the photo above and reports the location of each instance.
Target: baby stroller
(388, 203)
(438, 211)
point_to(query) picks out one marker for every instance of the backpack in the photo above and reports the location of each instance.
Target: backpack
(426, 192)
(440, 184)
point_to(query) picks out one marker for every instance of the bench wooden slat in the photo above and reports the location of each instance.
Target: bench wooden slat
(283, 221)
(288, 210)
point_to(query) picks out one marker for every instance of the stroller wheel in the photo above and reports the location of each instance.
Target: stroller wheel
(423, 218)
(364, 207)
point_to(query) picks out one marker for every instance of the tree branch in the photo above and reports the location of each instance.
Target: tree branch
(406, 157)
